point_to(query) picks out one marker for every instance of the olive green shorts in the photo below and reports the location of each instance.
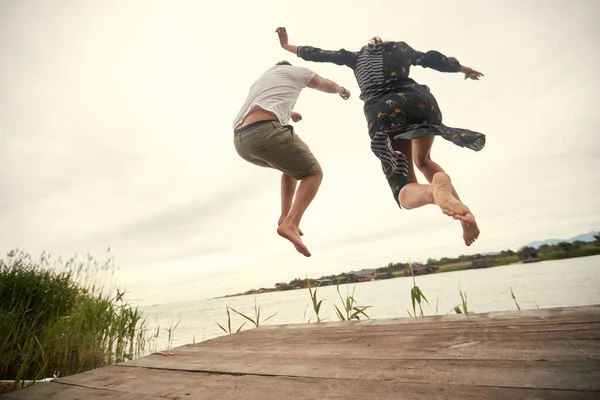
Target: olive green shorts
(272, 145)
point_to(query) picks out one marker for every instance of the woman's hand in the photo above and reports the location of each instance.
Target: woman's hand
(470, 73)
(283, 40)
(283, 37)
(296, 116)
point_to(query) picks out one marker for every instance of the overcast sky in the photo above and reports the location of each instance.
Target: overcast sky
(115, 130)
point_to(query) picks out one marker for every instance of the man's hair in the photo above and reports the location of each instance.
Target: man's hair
(375, 40)
(283, 63)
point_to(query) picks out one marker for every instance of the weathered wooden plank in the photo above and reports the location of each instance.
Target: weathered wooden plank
(425, 328)
(56, 391)
(359, 337)
(549, 332)
(460, 348)
(496, 355)
(323, 333)
(531, 374)
(527, 317)
(201, 386)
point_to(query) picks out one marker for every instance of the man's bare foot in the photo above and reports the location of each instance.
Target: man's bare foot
(450, 205)
(282, 218)
(470, 232)
(293, 235)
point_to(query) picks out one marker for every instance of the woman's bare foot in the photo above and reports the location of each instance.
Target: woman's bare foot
(292, 234)
(450, 205)
(470, 232)
(282, 218)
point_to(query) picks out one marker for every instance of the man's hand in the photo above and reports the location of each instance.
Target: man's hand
(470, 73)
(345, 93)
(283, 37)
(296, 116)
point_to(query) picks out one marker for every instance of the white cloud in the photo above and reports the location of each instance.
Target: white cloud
(115, 130)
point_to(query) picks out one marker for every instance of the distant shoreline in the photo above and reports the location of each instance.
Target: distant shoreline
(589, 249)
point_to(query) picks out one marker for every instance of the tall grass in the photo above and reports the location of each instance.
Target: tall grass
(316, 303)
(57, 319)
(351, 309)
(229, 329)
(512, 294)
(464, 304)
(416, 295)
(347, 311)
(256, 321)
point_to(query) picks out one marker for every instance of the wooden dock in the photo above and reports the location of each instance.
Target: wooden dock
(537, 354)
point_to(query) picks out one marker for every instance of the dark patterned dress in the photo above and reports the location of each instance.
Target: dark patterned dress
(395, 106)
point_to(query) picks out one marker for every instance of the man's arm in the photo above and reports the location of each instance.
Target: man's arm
(328, 86)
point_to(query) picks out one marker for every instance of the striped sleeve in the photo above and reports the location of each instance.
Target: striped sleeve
(339, 57)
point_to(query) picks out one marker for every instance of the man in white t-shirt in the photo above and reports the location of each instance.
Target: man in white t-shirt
(263, 137)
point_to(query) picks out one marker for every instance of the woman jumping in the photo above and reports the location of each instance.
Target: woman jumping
(403, 118)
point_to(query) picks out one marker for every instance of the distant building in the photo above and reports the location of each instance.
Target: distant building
(280, 285)
(528, 254)
(420, 269)
(383, 275)
(364, 275)
(302, 285)
(345, 278)
(482, 261)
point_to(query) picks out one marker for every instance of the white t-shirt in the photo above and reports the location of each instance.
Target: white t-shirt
(277, 91)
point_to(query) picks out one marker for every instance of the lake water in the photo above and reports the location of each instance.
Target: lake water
(572, 282)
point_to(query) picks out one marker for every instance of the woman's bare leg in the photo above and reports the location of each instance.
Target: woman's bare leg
(422, 158)
(414, 195)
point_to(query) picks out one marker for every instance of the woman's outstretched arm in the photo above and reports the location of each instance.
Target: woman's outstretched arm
(435, 60)
(310, 53)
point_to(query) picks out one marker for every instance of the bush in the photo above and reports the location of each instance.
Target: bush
(559, 255)
(56, 319)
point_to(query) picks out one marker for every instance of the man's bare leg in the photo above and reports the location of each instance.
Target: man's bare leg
(308, 188)
(422, 157)
(288, 189)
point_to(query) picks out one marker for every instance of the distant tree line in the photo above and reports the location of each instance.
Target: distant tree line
(546, 251)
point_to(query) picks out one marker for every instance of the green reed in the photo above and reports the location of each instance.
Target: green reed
(512, 294)
(316, 303)
(229, 330)
(351, 310)
(256, 321)
(57, 319)
(464, 303)
(416, 295)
